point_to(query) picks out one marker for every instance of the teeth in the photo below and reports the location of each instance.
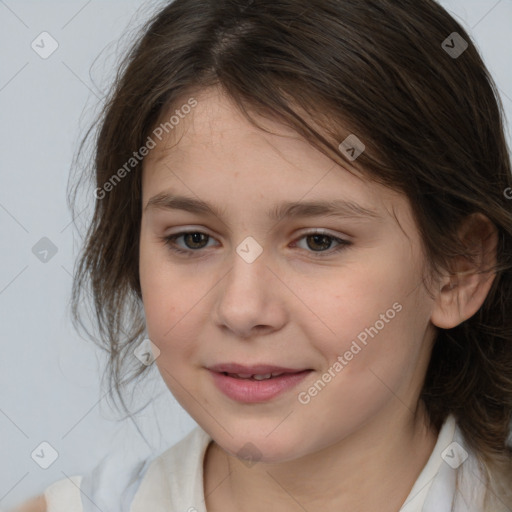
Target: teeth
(255, 377)
(262, 377)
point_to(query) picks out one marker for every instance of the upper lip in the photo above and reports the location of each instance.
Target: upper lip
(258, 369)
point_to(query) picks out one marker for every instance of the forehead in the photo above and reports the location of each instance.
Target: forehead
(216, 153)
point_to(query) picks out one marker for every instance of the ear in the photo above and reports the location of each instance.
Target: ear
(461, 294)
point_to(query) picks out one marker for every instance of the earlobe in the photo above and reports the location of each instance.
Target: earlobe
(462, 293)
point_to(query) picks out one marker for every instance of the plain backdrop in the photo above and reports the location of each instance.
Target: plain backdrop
(49, 376)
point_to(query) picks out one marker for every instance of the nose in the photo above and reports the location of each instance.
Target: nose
(250, 299)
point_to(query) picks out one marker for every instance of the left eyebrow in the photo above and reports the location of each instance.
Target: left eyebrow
(334, 208)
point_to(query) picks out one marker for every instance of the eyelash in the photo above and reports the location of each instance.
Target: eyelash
(169, 241)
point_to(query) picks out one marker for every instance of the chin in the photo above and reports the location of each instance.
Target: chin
(256, 445)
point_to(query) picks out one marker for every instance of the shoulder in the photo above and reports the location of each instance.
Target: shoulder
(119, 482)
(64, 495)
(37, 504)
(61, 496)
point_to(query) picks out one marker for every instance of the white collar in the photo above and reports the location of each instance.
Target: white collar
(173, 480)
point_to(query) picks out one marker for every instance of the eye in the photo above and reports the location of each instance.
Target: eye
(321, 240)
(196, 240)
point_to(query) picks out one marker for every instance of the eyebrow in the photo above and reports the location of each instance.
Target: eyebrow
(334, 208)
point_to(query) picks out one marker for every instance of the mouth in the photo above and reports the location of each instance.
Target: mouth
(259, 383)
(250, 370)
(264, 376)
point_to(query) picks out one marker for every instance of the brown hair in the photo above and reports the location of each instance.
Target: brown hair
(432, 124)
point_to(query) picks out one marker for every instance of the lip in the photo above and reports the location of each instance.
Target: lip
(254, 391)
(257, 369)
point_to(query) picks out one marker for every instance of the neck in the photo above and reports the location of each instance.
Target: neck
(372, 469)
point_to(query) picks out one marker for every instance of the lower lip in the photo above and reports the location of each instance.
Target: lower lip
(251, 391)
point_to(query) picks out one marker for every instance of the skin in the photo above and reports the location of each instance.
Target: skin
(37, 504)
(362, 441)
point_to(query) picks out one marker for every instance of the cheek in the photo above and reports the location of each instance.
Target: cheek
(169, 313)
(172, 307)
(371, 314)
(162, 295)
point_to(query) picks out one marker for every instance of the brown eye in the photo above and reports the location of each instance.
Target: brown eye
(195, 240)
(322, 242)
(319, 243)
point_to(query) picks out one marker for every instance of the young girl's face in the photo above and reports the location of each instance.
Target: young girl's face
(249, 289)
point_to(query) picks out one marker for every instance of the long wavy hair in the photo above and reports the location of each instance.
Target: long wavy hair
(433, 126)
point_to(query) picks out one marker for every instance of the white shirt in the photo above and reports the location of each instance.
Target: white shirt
(173, 481)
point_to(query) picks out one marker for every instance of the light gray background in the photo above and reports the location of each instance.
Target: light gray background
(49, 376)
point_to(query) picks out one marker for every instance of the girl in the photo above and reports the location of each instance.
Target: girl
(304, 206)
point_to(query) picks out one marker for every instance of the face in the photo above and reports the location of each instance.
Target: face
(335, 300)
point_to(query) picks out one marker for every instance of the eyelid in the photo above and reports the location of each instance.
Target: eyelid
(323, 231)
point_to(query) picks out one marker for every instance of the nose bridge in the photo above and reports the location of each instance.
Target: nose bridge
(247, 277)
(248, 298)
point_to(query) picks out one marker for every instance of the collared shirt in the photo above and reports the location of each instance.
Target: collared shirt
(451, 481)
